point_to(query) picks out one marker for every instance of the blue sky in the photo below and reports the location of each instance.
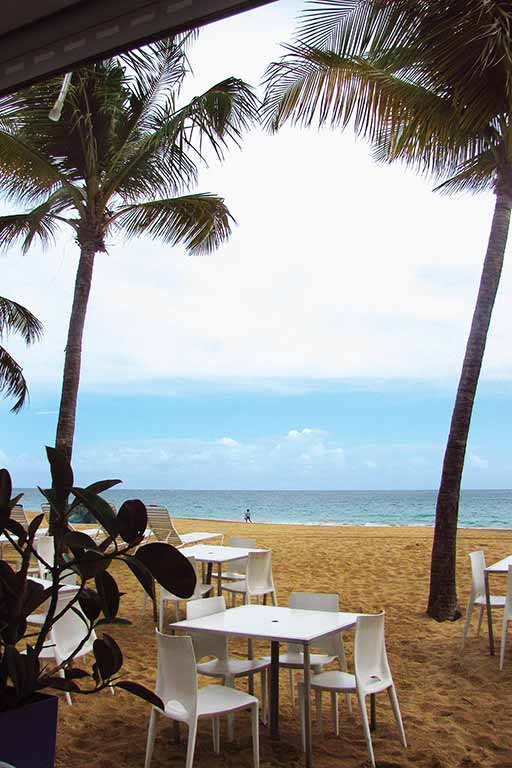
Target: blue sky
(319, 348)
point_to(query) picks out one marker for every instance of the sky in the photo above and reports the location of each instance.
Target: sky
(319, 348)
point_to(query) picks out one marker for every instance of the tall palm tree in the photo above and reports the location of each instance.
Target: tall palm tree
(122, 139)
(428, 83)
(15, 318)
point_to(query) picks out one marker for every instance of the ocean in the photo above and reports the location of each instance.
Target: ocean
(478, 509)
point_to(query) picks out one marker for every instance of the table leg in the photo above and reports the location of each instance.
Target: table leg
(209, 574)
(250, 655)
(373, 712)
(219, 579)
(307, 707)
(489, 613)
(274, 689)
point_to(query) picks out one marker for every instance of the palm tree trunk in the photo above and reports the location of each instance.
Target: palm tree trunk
(73, 356)
(442, 602)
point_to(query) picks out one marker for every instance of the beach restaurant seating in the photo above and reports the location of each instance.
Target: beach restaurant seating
(372, 675)
(227, 668)
(167, 597)
(331, 647)
(185, 703)
(477, 594)
(507, 616)
(20, 516)
(238, 568)
(258, 581)
(160, 522)
(66, 636)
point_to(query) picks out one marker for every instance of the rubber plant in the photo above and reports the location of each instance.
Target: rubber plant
(22, 673)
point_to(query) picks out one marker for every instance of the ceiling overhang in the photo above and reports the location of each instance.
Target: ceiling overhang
(39, 38)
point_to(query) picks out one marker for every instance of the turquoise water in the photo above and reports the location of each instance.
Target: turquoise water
(478, 509)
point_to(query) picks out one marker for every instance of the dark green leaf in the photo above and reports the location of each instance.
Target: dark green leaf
(109, 658)
(118, 620)
(99, 508)
(97, 487)
(90, 604)
(34, 597)
(142, 574)
(79, 540)
(108, 593)
(17, 529)
(75, 673)
(34, 525)
(141, 692)
(5, 489)
(132, 520)
(61, 684)
(89, 563)
(168, 567)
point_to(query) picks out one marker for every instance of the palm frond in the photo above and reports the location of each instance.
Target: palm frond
(201, 222)
(42, 222)
(17, 319)
(12, 381)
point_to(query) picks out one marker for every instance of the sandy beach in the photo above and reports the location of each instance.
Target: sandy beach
(456, 709)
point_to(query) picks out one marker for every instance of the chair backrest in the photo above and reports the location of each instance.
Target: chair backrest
(69, 631)
(206, 643)
(176, 677)
(18, 514)
(45, 548)
(259, 571)
(45, 510)
(370, 658)
(318, 601)
(477, 573)
(240, 566)
(160, 522)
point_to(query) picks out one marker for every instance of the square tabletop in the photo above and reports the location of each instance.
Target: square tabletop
(269, 622)
(501, 566)
(196, 537)
(216, 553)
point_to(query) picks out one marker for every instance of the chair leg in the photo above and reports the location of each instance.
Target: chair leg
(292, 686)
(255, 735)
(161, 615)
(318, 701)
(302, 715)
(264, 710)
(396, 711)
(216, 734)
(150, 743)
(334, 713)
(68, 695)
(366, 727)
(344, 668)
(274, 597)
(480, 620)
(504, 628)
(229, 682)
(191, 743)
(467, 622)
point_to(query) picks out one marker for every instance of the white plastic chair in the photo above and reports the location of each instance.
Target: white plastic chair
(66, 635)
(258, 581)
(223, 666)
(45, 548)
(331, 647)
(238, 568)
(167, 597)
(507, 616)
(477, 595)
(177, 687)
(372, 675)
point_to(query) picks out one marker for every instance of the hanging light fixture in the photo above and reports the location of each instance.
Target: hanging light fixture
(56, 110)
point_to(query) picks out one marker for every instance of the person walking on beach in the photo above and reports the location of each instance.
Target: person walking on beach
(247, 516)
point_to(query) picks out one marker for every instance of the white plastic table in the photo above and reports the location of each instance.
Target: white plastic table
(287, 625)
(197, 536)
(205, 553)
(500, 567)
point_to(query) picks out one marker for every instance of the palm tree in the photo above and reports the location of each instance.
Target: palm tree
(428, 83)
(121, 140)
(15, 318)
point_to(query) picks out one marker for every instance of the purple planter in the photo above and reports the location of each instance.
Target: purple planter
(28, 733)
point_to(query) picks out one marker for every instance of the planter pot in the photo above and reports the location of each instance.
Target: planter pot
(28, 733)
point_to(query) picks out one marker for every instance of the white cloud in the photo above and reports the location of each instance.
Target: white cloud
(477, 461)
(228, 441)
